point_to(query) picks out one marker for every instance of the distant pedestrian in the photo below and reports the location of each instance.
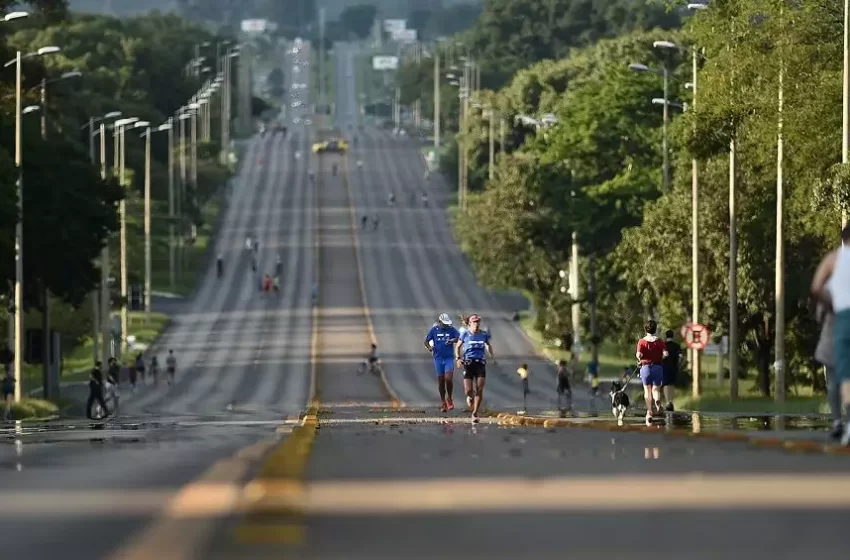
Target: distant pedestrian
(276, 285)
(522, 371)
(375, 221)
(113, 371)
(562, 383)
(671, 369)
(8, 359)
(364, 221)
(96, 391)
(140, 368)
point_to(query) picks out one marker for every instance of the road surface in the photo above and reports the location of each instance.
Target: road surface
(180, 476)
(243, 367)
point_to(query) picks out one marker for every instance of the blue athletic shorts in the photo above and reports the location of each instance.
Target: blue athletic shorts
(443, 365)
(652, 374)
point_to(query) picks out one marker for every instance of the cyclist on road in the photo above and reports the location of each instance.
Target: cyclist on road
(440, 341)
(471, 352)
(171, 366)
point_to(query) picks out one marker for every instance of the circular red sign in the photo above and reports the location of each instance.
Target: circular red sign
(696, 336)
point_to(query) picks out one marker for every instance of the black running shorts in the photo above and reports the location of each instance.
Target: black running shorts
(473, 369)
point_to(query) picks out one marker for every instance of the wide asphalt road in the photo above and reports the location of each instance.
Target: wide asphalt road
(72, 488)
(412, 483)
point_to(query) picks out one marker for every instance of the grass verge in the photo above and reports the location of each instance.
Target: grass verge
(33, 409)
(77, 363)
(715, 398)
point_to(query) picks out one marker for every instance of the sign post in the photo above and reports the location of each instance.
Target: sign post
(697, 337)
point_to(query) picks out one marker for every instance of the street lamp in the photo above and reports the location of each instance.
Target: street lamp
(44, 84)
(19, 226)
(147, 136)
(119, 126)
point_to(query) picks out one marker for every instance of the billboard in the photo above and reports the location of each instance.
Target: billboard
(385, 63)
(404, 35)
(392, 25)
(254, 25)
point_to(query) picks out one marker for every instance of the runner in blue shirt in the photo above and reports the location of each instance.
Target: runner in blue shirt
(471, 351)
(440, 341)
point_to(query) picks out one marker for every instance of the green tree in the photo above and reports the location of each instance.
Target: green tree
(358, 19)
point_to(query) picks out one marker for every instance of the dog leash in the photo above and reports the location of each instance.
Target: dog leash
(629, 380)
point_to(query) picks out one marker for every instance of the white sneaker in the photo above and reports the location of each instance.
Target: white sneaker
(469, 402)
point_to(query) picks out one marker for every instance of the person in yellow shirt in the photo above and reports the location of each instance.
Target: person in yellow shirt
(523, 375)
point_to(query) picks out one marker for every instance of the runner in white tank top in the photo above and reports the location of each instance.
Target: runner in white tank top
(831, 286)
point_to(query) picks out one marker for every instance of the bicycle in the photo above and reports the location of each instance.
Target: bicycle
(374, 368)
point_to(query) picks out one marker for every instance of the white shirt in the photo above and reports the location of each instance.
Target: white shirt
(839, 282)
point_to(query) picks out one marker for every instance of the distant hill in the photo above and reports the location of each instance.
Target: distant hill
(122, 7)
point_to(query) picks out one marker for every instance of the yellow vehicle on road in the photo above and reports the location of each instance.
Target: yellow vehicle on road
(334, 145)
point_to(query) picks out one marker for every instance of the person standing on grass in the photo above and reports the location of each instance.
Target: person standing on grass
(522, 371)
(671, 368)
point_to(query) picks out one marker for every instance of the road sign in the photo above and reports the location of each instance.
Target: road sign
(385, 63)
(391, 25)
(696, 336)
(404, 35)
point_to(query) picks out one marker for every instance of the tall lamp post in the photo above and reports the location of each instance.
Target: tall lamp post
(147, 136)
(19, 226)
(96, 295)
(122, 214)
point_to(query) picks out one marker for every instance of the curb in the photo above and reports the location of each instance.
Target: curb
(801, 446)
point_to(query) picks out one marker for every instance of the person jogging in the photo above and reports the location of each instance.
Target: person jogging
(470, 351)
(831, 287)
(440, 341)
(651, 352)
(671, 369)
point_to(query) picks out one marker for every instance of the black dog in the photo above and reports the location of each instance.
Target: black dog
(619, 401)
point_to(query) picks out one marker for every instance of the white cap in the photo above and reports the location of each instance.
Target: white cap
(445, 319)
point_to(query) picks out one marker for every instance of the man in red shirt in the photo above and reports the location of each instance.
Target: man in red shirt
(651, 352)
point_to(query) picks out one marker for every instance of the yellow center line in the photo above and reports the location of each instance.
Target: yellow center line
(396, 401)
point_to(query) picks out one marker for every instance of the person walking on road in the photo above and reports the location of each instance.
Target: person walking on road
(171, 366)
(8, 359)
(364, 221)
(522, 371)
(276, 284)
(440, 341)
(825, 355)
(831, 287)
(562, 383)
(471, 352)
(651, 352)
(96, 390)
(140, 368)
(671, 369)
(219, 265)
(375, 221)
(113, 371)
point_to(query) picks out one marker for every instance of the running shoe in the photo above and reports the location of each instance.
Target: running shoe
(837, 431)
(443, 406)
(670, 407)
(469, 402)
(474, 417)
(649, 419)
(450, 404)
